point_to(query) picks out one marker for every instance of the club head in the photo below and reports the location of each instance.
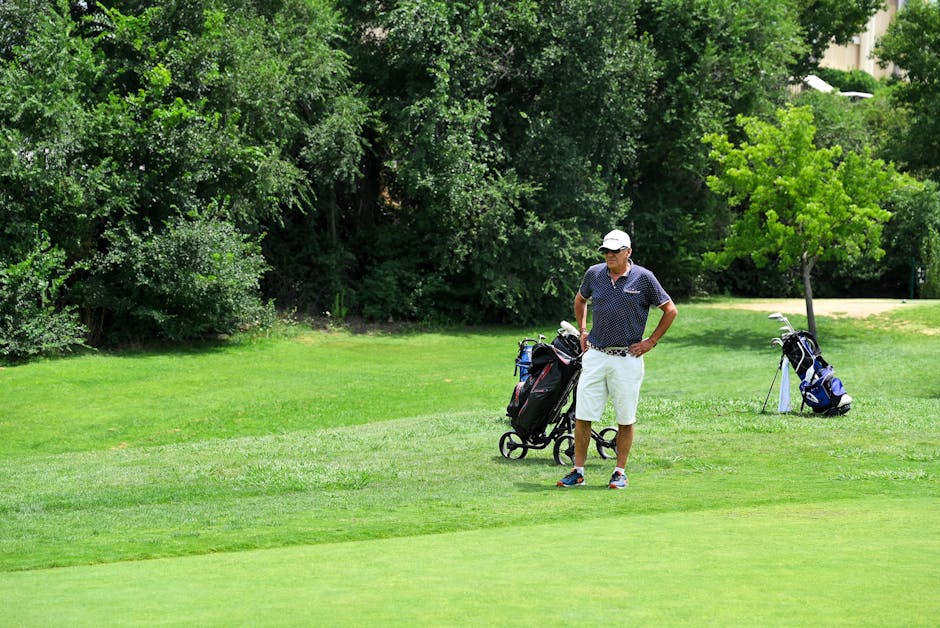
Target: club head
(786, 328)
(776, 342)
(777, 316)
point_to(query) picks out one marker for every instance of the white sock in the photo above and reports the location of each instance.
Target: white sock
(620, 470)
(579, 470)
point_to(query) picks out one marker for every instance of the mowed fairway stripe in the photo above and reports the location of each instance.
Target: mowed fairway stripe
(872, 561)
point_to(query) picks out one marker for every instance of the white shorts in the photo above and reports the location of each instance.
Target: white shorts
(609, 376)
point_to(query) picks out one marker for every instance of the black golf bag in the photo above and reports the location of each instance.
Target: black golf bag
(545, 373)
(820, 388)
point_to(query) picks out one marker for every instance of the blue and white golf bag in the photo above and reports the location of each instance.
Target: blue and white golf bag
(820, 388)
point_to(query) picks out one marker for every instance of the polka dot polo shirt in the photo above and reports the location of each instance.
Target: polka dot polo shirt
(620, 310)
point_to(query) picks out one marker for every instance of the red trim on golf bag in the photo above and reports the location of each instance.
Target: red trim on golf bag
(519, 394)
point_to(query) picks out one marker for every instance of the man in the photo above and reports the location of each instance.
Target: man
(621, 295)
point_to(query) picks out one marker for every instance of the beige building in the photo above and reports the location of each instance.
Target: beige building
(857, 54)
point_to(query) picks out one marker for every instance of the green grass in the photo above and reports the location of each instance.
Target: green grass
(357, 478)
(776, 565)
(313, 380)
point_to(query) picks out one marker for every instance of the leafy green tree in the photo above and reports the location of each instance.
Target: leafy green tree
(129, 117)
(824, 22)
(799, 204)
(875, 124)
(838, 120)
(715, 60)
(506, 136)
(912, 240)
(50, 182)
(912, 41)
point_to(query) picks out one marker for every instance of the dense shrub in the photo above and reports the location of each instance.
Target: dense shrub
(839, 121)
(119, 117)
(913, 239)
(849, 80)
(31, 323)
(196, 278)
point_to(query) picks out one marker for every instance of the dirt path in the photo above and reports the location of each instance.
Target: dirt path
(821, 307)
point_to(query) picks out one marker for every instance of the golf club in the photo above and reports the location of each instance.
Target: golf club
(777, 316)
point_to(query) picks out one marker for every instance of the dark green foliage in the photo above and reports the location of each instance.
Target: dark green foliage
(887, 124)
(913, 43)
(716, 60)
(119, 119)
(195, 278)
(507, 133)
(521, 131)
(825, 21)
(915, 219)
(30, 321)
(849, 80)
(838, 120)
(911, 239)
(744, 278)
(926, 282)
(416, 159)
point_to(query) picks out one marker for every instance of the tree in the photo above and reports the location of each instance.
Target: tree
(129, 119)
(912, 237)
(876, 124)
(912, 41)
(825, 22)
(798, 204)
(714, 60)
(829, 21)
(505, 137)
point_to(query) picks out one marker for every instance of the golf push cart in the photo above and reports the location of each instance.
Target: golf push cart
(548, 378)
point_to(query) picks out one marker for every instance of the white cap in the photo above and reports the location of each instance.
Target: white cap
(615, 240)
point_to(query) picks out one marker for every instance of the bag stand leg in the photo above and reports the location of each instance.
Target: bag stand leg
(779, 368)
(784, 406)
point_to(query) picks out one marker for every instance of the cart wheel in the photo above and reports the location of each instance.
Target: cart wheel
(564, 450)
(607, 443)
(512, 447)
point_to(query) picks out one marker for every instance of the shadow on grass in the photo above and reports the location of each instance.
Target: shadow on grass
(529, 462)
(723, 337)
(540, 487)
(167, 348)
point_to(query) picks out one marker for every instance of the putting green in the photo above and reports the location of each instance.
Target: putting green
(872, 561)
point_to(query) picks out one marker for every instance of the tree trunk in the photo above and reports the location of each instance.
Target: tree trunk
(808, 292)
